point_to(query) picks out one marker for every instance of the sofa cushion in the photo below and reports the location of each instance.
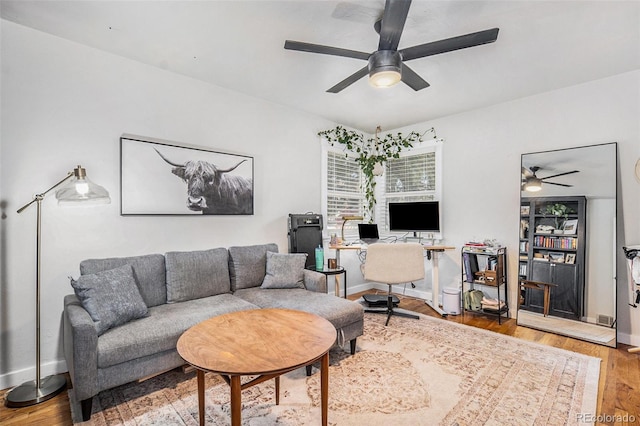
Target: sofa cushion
(111, 297)
(148, 271)
(284, 270)
(339, 312)
(247, 265)
(161, 329)
(195, 274)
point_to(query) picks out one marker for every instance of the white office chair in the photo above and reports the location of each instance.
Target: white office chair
(394, 264)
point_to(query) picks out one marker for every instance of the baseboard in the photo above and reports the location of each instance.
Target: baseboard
(15, 378)
(628, 339)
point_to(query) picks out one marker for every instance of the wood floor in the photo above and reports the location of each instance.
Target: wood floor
(618, 393)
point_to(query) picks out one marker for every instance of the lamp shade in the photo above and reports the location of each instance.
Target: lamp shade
(79, 189)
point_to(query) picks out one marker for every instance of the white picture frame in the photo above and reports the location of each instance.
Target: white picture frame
(570, 227)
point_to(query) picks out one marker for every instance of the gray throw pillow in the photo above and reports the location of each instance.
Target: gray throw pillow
(197, 274)
(111, 297)
(284, 270)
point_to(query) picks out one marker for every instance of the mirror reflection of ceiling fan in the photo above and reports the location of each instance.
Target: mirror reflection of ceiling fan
(386, 66)
(532, 183)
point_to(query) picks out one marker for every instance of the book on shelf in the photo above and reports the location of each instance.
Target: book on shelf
(523, 270)
(470, 266)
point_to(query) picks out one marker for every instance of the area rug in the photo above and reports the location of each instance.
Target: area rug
(412, 372)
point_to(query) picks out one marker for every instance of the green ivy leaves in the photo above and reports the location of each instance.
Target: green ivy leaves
(370, 152)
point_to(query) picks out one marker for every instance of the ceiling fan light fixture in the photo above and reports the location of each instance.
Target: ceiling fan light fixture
(385, 68)
(533, 185)
(385, 78)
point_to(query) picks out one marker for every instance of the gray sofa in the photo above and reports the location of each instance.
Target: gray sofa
(181, 289)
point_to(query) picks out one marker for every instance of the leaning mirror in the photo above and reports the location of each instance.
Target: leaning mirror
(567, 242)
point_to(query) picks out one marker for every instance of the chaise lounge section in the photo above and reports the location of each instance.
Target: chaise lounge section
(181, 289)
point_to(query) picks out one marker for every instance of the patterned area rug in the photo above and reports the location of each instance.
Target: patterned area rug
(413, 372)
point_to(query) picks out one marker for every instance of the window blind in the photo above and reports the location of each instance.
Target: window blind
(344, 195)
(408, 178)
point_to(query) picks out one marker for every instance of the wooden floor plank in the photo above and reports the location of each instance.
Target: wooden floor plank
(618, 390)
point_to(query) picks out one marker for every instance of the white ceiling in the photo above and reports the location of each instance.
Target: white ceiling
(542, 46)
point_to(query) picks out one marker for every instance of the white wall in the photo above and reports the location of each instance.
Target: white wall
(64, 104)
(482, 151)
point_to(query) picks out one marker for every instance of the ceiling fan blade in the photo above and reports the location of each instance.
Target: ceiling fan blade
(325, 50)
(450, 44)
(393, 19)
(349, 80)
(560, 174)
(413, 80)
(526, 172)
(558, 184)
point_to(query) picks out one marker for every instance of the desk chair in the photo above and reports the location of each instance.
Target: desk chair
(394, 264)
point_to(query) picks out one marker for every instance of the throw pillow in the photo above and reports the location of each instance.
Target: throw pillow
(247, 265)
(111, 297)
(284, 270)
(197, 274)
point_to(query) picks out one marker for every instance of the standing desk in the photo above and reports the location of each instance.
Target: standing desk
(432, 254)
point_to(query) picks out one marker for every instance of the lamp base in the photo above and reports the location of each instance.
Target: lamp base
(29, 394)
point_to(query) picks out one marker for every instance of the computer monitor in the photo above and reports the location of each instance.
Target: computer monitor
(416, 216)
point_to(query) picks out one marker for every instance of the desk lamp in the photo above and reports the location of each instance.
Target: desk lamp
(345, 219)
(78, 191)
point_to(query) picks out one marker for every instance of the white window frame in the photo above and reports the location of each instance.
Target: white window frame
(381, 197)
(435, 194)
(350, 230)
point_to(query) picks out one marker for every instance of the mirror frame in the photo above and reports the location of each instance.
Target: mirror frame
(608, 165)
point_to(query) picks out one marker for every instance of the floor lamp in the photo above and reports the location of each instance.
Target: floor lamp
(77, 190)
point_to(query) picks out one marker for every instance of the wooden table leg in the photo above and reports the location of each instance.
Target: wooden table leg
(236, 401)
(324, 387)
(547, 300)
(201, 397)
(278, 390)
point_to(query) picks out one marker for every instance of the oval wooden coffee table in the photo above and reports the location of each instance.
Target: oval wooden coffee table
(260, 342)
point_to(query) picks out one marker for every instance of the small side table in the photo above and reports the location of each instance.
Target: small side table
(545, 287)
(337, 271)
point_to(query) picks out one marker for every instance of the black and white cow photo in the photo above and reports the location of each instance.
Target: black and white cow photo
(159, 178)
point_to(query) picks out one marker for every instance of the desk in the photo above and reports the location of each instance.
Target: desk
(432, 254)
(337, 271)
(345, 247)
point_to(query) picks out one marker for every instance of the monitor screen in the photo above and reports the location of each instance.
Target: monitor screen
(419, 216)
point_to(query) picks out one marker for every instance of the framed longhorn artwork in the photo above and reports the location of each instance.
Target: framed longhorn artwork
(163, 178)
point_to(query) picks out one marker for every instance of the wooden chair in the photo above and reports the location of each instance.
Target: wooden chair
(394, 264)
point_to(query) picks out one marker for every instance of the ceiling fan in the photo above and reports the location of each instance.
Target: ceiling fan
(532, 183)
(387, 64)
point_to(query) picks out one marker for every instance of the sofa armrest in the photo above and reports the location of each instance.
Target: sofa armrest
(315, 281)
(80, 341)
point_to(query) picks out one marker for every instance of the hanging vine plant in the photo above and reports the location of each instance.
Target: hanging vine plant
(370, 153)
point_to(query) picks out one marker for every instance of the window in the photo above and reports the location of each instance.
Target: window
(343, 194)
(412, 177)
(415, 176)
